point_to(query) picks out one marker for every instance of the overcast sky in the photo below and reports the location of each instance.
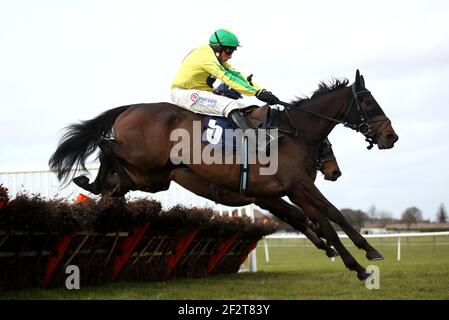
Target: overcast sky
(61, 61)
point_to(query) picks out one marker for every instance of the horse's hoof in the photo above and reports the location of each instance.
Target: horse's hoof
(81, 181)
(363, 275)
(332, 253)
(374, 255)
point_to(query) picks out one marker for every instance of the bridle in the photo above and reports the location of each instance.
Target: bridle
(362, 125)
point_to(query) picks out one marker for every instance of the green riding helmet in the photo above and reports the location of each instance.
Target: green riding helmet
(224, 38)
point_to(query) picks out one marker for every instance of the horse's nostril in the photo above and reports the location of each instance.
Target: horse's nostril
(336, 174)
(392, 138)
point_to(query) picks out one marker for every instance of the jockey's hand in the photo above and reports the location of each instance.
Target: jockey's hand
(267, 96)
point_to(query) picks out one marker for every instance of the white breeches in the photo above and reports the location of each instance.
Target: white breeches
(204, 102)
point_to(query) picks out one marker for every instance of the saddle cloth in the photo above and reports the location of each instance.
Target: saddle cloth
(215, 128)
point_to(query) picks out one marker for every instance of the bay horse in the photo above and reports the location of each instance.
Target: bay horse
(142, 148)
(326, 161)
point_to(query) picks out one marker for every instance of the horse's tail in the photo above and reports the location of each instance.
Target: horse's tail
(81, 140)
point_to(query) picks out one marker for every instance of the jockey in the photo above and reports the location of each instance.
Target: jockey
(193, 84)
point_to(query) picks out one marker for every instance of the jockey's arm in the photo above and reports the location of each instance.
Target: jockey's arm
(231, 77)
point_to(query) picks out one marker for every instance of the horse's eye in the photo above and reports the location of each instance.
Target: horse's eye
(368, 102)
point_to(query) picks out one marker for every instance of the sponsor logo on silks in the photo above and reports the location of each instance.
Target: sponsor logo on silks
(194, 96)
(207, 101)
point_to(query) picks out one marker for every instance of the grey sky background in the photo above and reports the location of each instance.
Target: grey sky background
(62, 61)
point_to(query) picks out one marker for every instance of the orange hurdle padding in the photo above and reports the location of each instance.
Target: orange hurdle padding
(181, 247)
(60, 247)
(222, 249)
(82, 198)
(127, 247)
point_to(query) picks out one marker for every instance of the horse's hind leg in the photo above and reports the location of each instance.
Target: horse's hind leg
(296, 217)
(125, 182)
(96, 186)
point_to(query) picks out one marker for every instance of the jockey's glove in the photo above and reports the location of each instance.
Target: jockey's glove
(267, 96)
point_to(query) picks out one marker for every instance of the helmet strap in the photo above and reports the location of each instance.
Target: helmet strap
(218, 39)
(219, 48)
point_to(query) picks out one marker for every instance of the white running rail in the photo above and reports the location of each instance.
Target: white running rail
(381, 236)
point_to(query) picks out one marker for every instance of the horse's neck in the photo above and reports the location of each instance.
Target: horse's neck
(313, 128)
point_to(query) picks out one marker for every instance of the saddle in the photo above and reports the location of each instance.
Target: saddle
(264, 118)
(215, 126)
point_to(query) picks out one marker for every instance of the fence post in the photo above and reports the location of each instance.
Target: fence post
(267, 256)
(252, 256)
(399, 249)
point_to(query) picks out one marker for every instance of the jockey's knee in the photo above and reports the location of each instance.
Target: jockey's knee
(233, 105)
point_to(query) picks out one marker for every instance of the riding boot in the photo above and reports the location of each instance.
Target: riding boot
(239, 120)
(242, 122)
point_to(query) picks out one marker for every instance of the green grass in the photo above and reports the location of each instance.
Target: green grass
(294, 272)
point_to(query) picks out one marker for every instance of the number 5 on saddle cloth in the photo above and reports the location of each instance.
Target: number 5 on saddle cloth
(214, 128)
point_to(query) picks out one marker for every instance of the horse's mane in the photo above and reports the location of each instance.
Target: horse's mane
(323, 88)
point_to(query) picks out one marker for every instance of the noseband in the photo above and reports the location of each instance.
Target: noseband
(365, 123)
(322, 160)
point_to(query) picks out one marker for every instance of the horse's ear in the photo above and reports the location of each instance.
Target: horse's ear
(357, 79)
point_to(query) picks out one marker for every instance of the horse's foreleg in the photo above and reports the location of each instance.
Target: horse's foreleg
(334, 215)
(278, 207)
(295, 217)
(337, 217)
(313, 206)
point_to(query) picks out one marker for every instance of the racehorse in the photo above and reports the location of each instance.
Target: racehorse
(141, 152)
(327, 163)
